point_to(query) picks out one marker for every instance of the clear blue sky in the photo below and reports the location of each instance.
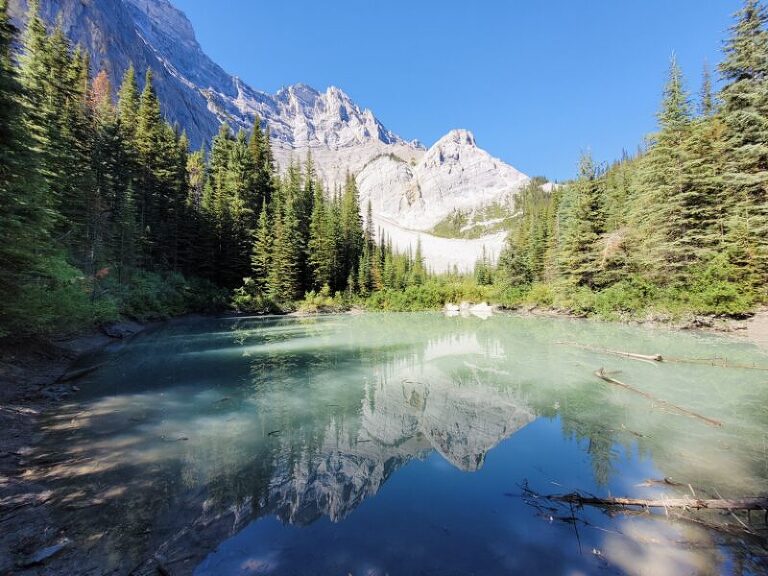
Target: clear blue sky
(537, 82)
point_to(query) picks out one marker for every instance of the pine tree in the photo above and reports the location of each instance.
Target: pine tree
(34, 62)
(243, 204)
(660, 216)
(305, 197)
(105, 157)
(128, 105)
(745, 114)
(261, 257)
(261, 152)
(707, 106)
(351, 229)
(484, 269)
(581, 226)
(148, 142)
(418, 273)
(320, 247)
(285, 272)
(24, 219)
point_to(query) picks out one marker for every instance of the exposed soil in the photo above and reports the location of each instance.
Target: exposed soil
(34, 380)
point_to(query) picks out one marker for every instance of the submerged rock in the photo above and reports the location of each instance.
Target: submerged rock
(44, 554)
(122, 330)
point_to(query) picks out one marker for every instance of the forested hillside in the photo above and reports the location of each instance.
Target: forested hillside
(682, 225)
(105, 211)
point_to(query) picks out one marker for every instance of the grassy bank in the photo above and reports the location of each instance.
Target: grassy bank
(630, 299)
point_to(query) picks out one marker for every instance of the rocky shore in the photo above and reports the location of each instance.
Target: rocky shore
(35, 377)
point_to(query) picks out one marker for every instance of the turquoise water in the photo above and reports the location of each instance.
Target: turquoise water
(405, 444)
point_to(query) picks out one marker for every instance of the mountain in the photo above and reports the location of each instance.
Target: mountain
(411, 188)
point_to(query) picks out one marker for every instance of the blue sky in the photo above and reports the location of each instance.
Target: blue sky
(537, 82)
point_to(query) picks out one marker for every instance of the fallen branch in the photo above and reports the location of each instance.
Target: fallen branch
(716, 362)
(603, 376)
(687, 503)
(664, 482)
(652, 358)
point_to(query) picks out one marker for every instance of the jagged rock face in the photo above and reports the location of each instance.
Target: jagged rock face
(334, 480)
(454, 174)
(411, 188)
(115, 35)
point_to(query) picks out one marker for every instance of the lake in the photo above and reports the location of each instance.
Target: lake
(406, 444)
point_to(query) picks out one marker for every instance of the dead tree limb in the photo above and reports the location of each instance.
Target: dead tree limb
(603, 376)
(652, 358)
(80, 373)
(716, 362)
(686, 503)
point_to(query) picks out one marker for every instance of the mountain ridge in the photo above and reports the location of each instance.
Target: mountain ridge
(342, 137)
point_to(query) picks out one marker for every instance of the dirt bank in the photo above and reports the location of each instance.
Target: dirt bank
(34, 379)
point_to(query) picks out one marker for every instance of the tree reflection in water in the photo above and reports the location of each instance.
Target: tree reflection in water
(272, 437)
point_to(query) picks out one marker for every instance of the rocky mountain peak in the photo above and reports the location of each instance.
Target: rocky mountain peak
(412, 189)
(161, 18)
(458, 137)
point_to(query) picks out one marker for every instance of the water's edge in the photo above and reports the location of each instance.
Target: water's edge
(35, 379)
(34, 384)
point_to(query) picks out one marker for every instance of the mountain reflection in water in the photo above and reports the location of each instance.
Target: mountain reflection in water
(394, 444)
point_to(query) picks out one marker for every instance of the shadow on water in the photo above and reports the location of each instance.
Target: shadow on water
(396, 444)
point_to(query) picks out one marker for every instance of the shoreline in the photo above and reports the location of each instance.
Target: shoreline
(35, 378)
(34, 381)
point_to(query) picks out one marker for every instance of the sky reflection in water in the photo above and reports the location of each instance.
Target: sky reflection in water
(399, 444)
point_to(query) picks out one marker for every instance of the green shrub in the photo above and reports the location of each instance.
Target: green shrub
(540, 295)
(248, 298)
(316, 302)
(57, 299)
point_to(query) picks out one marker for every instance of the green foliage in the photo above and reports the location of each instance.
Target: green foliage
(150, 295)
(323, 302)
(489, 219)
(432, 295)
(58, 300)
(252, 299)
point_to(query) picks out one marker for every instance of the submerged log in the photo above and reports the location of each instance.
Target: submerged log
(653, 358)
(604, 376)
(80, 373)
(687, 503)
(659, 359)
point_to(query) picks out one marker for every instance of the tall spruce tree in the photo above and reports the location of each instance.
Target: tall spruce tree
(659, 214)
(321, 243)
(261, 256)
(24, 217)
(581, 225)
(745, 114)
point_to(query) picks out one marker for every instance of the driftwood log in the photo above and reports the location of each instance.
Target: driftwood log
(659, 359)
(652, 358)
(663, 403)
(687, 503)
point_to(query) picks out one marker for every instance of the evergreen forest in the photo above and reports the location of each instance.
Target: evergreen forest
(106, 212)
